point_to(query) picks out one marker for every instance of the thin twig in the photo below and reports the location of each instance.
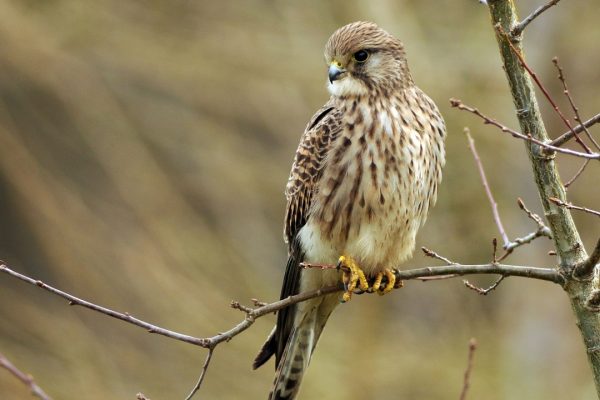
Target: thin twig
(258, 303)
(202, 374)
(23, 377)
(487, 120)
(565, 137)
(542, 230)
(563, 80)
(111, 313)
(433, 254)
(534, 217)
(436, 278)
(469, 369)
(519, 28)
(546, 274)
(566, 91)
(577, 174)
(530, 237)
(539, 83)
(486, 186)
(482, 291)
(571, 206)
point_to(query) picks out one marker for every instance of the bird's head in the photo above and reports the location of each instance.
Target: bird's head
(364, 59)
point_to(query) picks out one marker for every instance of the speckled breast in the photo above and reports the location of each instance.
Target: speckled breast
(380, 179)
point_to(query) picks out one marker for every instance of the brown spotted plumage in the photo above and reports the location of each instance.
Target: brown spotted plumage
(364, 176)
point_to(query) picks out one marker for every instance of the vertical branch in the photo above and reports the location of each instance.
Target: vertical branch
(566, 237)
(468, 370)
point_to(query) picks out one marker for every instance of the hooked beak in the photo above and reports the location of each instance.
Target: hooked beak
(335, 71)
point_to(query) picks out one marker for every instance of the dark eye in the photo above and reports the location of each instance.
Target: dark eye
(361, 56)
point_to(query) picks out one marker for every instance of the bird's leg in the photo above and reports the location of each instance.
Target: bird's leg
(352, 276)
(390, 284)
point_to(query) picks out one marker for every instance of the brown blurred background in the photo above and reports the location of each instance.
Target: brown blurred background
(144, 148)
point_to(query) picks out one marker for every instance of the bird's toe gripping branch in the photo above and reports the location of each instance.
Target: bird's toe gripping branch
(389, 285)
(352, 277)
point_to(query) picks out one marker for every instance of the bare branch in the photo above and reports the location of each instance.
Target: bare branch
(482, 291)
(539, 83)
(565, 137)
(546, 274)
(486, 186)
(23, 377)
(487, 120)
(577, 174)
(467, 376)
(433, 254)
(111, 313)
(452, 269)
(520, 27)
(542, 230)
(202, 374)
(258, 303)
(571, 206)
(534, 217)
(526, 239)
(561, 77)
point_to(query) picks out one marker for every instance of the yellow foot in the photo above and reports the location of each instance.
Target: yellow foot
(352, 277)
(390, 284)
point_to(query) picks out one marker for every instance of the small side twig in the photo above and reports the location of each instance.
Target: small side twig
(487, 120)
(567, 92)
(469, 369)
(433, 254)
(577, 174)
(571, 206)
(542, 230)
(565, 137)
(539, 83)
(486, 186)
(520, 27)
(258, 303)
(202, 374)
(26, 379)
(482, 291)
(563, 80)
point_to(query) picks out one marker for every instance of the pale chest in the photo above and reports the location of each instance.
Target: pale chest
(380, 178)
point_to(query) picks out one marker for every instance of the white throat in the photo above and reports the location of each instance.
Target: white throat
(347, 86)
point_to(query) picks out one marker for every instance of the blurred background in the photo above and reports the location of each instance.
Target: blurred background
(144, 149)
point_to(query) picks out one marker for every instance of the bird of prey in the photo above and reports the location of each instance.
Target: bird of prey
(364, 176)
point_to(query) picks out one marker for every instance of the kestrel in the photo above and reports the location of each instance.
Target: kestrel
(364, 176)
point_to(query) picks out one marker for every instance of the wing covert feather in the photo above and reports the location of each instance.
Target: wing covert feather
(310, 158)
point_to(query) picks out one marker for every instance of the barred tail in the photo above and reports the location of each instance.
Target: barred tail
(299, 349)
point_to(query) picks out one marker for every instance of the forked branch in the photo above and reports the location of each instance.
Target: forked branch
(520, 27)
(546, 274)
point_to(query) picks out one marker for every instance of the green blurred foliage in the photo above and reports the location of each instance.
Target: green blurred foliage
(144, 147)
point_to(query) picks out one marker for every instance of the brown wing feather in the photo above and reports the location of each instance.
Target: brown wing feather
(309, 161)
(310, 157)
